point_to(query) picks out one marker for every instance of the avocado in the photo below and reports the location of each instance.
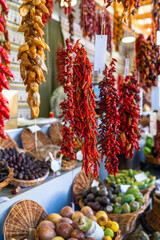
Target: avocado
(127, 198)
(138, 236)
(155, 236)
(126, 208)
(134, 206)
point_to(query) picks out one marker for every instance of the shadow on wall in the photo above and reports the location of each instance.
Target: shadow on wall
(53, 37)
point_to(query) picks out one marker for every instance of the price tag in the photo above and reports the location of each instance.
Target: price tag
(3, 199)
(140, 177)
(124, 187)
(158, 38)
(79, 156)
(126, 69)
(95, 183)
(141, 101)
(155, 98)
(100, 52)
(55, 164)
(34, 128)
(153, 123)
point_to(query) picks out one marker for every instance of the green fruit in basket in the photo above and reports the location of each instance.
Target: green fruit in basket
(127, 198)
(121, 194)
(109, 232)
(138, 236)
(118, 180)
(155, 236)
(142, 185)
(117, 210)
(117, 205)
(126, 208)
(130, 173)
(152, 178)
(151, 183)
(140, 200)
(134, 206)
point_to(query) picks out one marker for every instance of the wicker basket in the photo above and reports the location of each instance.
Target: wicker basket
(126, 221)
(151, 159)
(8, 179)
(68, 165)
(82, 183)
(28, 139)
(8, 143)
(28, 183)
(55, 133)
(153, 216)
(22, 220)
(147, 190)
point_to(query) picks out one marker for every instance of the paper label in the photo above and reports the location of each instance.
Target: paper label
(153, 123)
(158, 38)
(126, 69)
(155, 98)
(141, 101)
(3, 199)
(73, 207)
(79, 156)
(95, 183)
(34, 128)
(55, 163)
(140, 177)
(100, 52)
(124, 188)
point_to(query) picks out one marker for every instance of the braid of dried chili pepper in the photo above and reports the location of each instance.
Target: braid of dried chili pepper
(5, 72)
(88, 18)
(129, 114)
(120, 84)
(84, 115)
(65, 77)
(109, 146)
(45, 17)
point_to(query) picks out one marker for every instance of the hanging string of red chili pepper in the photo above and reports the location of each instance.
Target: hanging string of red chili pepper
(47, 17)
(110, 120)
(65, 78)
(68, 9)
(5, 72)
(120, 84)
(84, 115)
(107, 28)
(88, 18)
(129, 114)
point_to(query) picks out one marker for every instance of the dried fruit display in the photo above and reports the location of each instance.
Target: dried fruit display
(110, 120)
(129, 114)
(117, 30)
(129, 6)
(79, 107)
(148, 61)
(107, 28)
(31, 53)
(49, 4)
(84, 115)
(65, 77)
(156, 14)
(5, 72)
(88, 18)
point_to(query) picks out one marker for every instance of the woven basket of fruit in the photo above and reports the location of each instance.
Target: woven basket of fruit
(22, 220)
(81, 183)
(6, 175)
(123, 208)
(79, 225)
(27, 170)
(28, 139)
(128, 177)
(153, 216)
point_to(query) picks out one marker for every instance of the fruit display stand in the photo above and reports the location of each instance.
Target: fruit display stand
(52, 194)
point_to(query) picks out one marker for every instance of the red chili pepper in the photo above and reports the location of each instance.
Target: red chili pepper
(4, 81)
(4, 111)
(4, 5)
(4, 101)
(6, 70)
(129, 115)
(1, 28)
(2, 21)
(4, 54)
(46, 18)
